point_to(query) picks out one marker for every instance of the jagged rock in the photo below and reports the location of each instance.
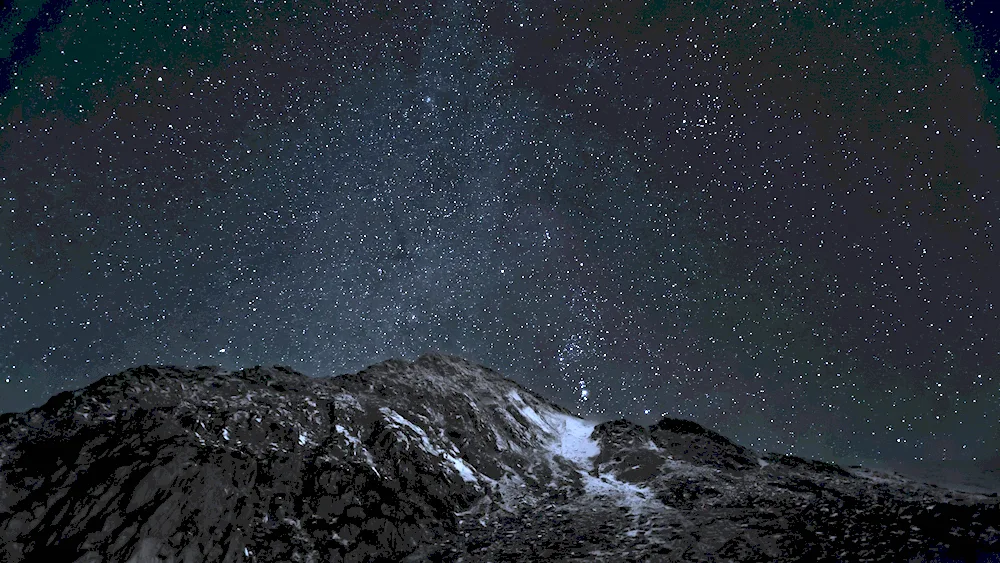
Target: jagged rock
(433, 460)
(693, 442)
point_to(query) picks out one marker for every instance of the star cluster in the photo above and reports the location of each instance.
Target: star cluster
(774, 219)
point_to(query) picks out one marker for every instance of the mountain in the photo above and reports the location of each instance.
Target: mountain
(433, 460)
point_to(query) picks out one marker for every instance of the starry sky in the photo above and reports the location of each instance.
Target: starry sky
(773, 218)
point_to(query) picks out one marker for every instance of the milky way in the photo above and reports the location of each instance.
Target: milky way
(776, 220)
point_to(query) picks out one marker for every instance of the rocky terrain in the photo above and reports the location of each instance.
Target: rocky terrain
(433, 460)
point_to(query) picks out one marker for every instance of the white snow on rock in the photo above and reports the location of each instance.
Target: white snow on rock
(399, 419)
(463, 469)
(526, 410)
(356, 442)
(225, 433)
(460, 466)
(625, 494)
(571, 440)
(350, 437)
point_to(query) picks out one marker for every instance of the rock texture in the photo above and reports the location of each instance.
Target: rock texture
(433, 460)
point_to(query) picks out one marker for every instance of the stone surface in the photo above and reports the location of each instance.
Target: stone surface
(433, 460)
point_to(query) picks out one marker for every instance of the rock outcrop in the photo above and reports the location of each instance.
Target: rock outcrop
(433, 460)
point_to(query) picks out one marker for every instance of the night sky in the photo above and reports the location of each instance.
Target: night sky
(777, 220)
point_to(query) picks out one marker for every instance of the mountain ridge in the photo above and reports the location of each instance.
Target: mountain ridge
(437, 459)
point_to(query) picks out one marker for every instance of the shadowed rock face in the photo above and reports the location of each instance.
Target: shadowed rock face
(693, 442)
(433, 460)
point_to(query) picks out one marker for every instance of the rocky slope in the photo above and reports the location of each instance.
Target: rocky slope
(434, 460)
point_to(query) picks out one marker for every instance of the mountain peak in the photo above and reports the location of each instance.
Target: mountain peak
(435, 459)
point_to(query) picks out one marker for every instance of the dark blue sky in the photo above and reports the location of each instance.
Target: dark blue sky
(776, 220)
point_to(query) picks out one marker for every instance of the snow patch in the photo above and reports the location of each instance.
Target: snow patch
(399, 419)
(526, 409)
(463, 469)
(358, 446)
(460, 466)
(225, 434)
(573, 442)
(303, 437)
(350, 437)
(624, 494)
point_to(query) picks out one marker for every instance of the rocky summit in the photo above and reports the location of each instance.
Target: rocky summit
(433, 460)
